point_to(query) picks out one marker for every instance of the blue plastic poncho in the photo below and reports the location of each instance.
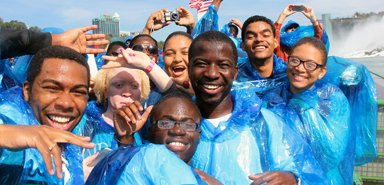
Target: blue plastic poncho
(248, 77)
(14, 73)
(27, 166)
(209, 22)
(288, 39)
(253, 141)
(146, 164)
(321, 116)
(358, 86)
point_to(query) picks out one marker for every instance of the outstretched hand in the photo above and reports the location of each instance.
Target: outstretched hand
(186, 18)
(273, 177)
(45, 139)
(128, 120)
(78, 40)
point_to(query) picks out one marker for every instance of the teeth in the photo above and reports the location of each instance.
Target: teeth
(260, 47)
(176, 144)
(59, 119)
(211, 87)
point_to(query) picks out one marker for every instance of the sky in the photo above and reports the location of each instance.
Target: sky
(67, 14)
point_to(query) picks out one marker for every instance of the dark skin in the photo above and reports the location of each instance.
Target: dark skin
(129, 120)
(214, 63)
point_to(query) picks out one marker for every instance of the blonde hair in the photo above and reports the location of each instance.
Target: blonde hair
(102, 83)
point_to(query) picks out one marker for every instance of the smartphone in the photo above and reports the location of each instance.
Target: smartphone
(102, 153)
(298, 8)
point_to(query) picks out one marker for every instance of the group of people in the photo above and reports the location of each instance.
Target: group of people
(206, 117)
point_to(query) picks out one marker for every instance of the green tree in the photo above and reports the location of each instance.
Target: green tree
(13, 25)
(35, 28)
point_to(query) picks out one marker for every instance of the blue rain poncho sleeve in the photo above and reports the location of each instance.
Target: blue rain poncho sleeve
(20, 167)
(358, 86)
(253, 141)
(146, 164)
(325, 124)
(209, 22)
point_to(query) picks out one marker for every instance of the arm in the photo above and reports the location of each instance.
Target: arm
(43, 138)
(217, 4)
(17, 43)
(155, 22)
(273, 177)
(186, 19)
(139, 60)
(278, 24)
(310, 14)
(237, 22)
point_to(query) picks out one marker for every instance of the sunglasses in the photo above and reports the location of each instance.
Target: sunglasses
(151, 49)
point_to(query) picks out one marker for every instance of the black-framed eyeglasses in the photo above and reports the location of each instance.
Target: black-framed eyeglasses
(169, 124)
(150, 48)
(309, 65)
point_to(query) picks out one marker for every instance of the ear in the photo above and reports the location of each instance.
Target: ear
(276, 43)
(242, 46)
(323, 71)
(236, 73)
(26, 89)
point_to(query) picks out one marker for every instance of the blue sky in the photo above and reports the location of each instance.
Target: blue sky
(68, 14)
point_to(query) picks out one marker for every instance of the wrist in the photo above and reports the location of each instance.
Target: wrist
(124, 140)
(150, 66)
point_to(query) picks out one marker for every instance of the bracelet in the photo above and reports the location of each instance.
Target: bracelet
(118, 140)
(149, 68)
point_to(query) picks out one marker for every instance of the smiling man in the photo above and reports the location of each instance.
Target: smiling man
(263, 70)
(240, 141)
(55, 94)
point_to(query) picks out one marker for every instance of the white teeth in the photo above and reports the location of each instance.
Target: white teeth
(60, 119)
(211, 87)
(177, 144)
(260, 47)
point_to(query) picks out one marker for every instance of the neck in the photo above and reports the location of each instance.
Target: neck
(211, 111)
(263, 66)
(108, 116)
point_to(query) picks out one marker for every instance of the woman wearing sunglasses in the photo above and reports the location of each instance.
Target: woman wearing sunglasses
(319, 113)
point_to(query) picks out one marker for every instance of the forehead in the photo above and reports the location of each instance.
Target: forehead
(63, 70)
(178, 41)
(124, 73)
(177, 107)
(144, 40)
(211, 50)
(308, 52)
(258, 26)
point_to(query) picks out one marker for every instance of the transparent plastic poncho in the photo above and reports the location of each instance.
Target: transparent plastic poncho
(209, 22)
(146, 164)
(321, 115)
(249, 78)
(26, 166)
(253, 141)
(358, 86)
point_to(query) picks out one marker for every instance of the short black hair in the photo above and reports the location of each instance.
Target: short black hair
(139, 36)
(212, 36)
(234, 28)
(119, 43)
(315, 42)
(176, 33)
(61, 52)
(172, 94)
(256, 18)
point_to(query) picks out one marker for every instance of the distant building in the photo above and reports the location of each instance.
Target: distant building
(108, 25)
(129, 33)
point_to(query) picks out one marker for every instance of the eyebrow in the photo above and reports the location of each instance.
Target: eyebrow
(59, 84)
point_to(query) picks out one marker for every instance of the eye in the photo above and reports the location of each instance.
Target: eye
(81, 92)
(51, 87)
(117, 85)
(311, 65)
(169, 54)
(200, 63)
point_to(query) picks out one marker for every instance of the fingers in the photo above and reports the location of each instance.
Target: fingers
(56, 153)
(87, 28)
(257, 179)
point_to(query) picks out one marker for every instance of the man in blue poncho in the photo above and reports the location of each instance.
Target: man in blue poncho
(175, 121)
(54, 94)
(263, 70)
(240, 141)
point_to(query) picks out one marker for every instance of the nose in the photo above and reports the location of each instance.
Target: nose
(300, 67)
(178, 58)
(65, 103)
(177, 130)
(126, 93)
(212, 72)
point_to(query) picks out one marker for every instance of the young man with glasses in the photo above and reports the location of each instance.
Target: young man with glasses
(175, 121)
